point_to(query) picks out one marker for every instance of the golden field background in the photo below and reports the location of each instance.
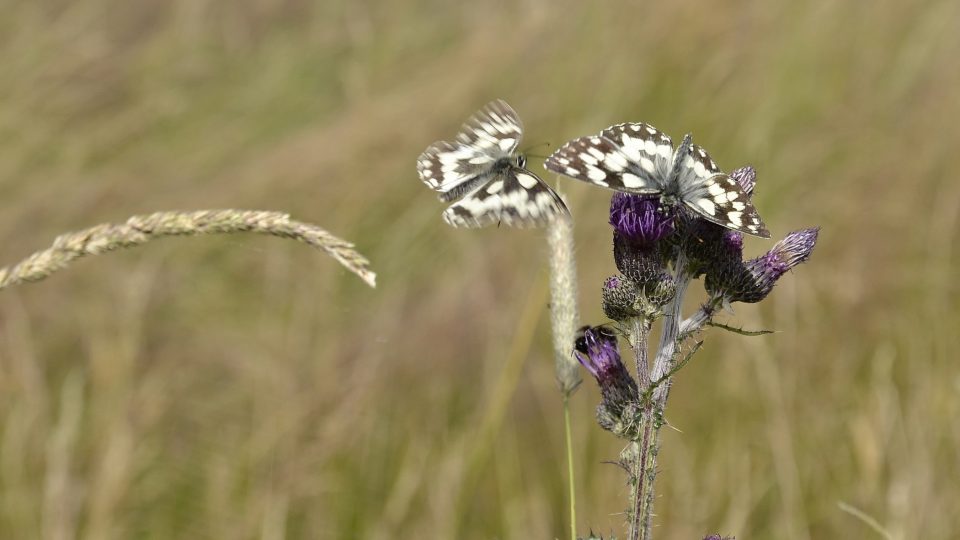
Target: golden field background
(249, 387)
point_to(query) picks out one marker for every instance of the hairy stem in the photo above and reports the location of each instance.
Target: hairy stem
(643, 466)
(669, 335)
(642, 451)
(698, 320)
(643, 473)
(638, 341)
(677, 366)
(564, 318)
(570, 483)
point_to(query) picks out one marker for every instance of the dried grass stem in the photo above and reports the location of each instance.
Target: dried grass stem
(141, 229)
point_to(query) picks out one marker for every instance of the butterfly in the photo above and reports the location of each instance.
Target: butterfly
(483, 167)
(639, 158)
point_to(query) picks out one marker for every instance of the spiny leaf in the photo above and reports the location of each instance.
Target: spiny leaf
(741, 331)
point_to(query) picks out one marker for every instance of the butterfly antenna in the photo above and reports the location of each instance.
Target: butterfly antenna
(526, 151)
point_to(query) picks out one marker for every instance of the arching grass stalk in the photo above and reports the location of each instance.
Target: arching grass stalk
(141, 229)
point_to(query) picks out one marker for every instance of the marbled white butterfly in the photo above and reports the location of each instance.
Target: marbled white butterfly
(638, 158)
(482, 166)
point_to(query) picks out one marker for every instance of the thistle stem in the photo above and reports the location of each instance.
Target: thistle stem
(643, 472)
(638, 341)
(643, 465)
(669, 336)
(641, 450)
(698, 320)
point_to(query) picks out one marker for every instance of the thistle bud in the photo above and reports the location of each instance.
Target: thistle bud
(647, 270)
(596, 349)
(751, 281)
(639, 265)
(709, 247)
(621, 298)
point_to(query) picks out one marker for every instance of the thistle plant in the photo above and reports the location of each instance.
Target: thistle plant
(676, 217)
(659, 249)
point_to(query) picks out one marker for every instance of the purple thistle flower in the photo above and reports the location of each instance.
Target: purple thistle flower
(733, 241)
(641, 218)
(596, 348)
(752, 280)
(640, 223)
(787, 253)
(747, 178)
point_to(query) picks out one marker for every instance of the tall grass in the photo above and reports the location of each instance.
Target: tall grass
(139, 230)
(237, 388)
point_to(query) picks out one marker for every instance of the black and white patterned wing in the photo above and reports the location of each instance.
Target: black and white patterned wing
(714, 195)
(454, 168)
(649, 150)
(514, 197)
(495, 130)
(600, 161)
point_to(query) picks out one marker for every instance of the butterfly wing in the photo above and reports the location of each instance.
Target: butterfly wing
(600, 161)
(457, 167)
(453, 169)
(495, 130)
(631, 157)
(714, 195)
(515, 197)
(648, 149)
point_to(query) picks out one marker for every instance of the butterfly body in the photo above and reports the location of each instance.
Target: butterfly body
(482, 168)
(638, 158)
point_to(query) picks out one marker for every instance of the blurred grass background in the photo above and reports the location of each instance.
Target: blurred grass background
(250, 388)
